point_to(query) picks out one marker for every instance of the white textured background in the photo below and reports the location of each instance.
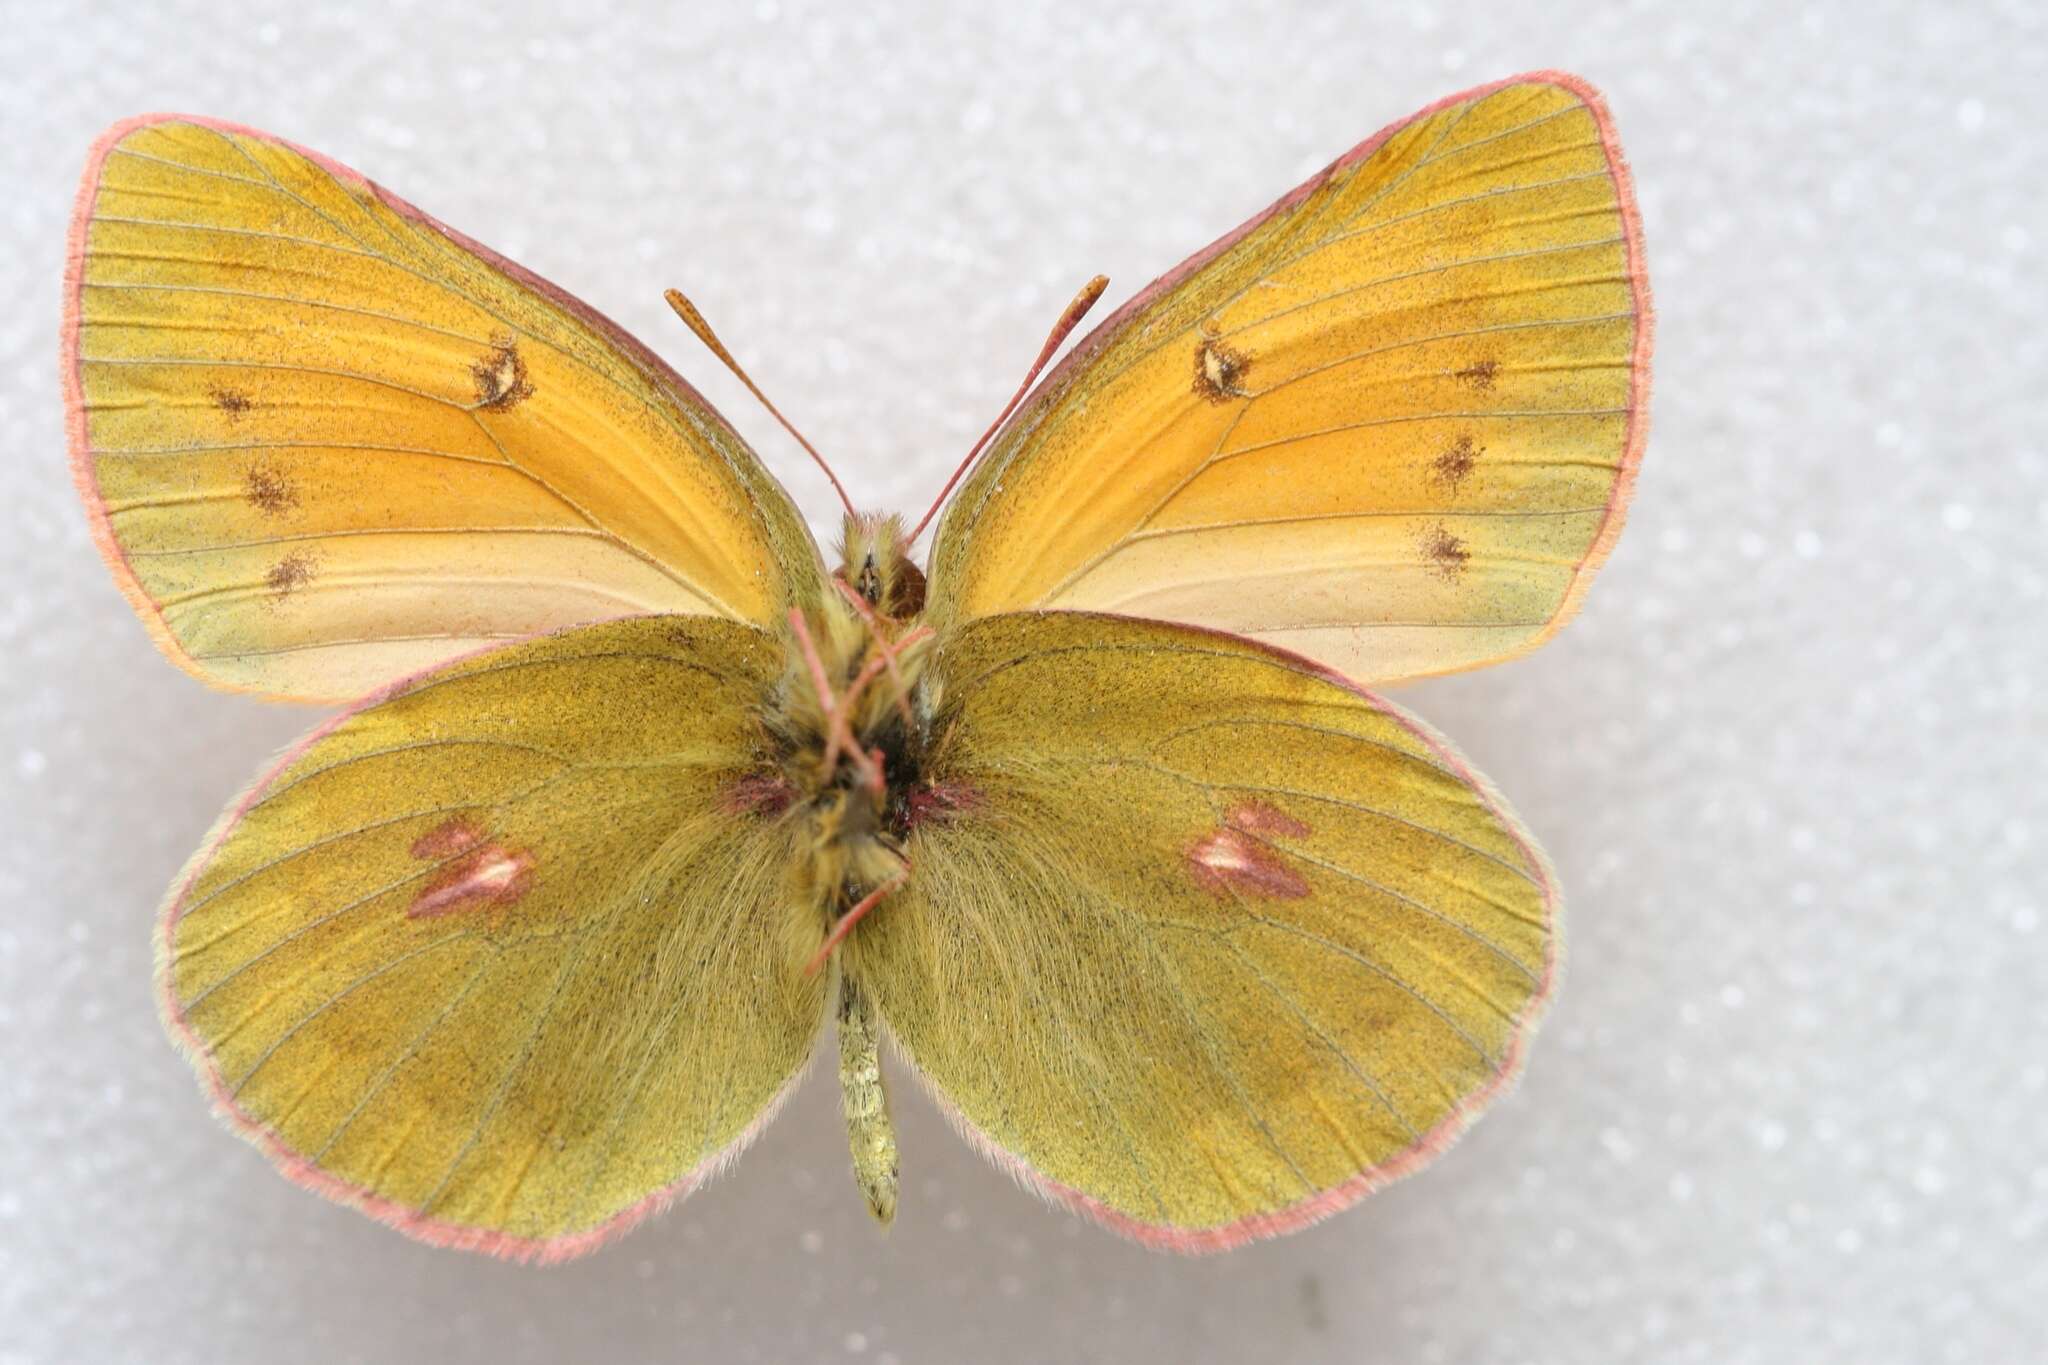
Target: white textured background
(1789, 762)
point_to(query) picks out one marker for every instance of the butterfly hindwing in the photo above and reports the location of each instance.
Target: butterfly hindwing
(327, 441)
(1201, 939)
(1392, 423)
(500, 958)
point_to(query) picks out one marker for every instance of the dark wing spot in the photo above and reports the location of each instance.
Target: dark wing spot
(1220, 370)
(233, 402)
(501, 378)
(1449, 469)
(269, 491)
(289, 574)
(1481, 375)
(1443, 554)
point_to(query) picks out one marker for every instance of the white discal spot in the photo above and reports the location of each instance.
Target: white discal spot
(504, 374)
(494, 874)
(1223, 851)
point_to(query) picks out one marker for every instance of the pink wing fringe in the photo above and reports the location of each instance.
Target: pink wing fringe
(1315, 1208)
(76, 434)
(297, 1168)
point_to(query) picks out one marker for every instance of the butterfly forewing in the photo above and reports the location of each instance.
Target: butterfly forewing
(328, 441)
(1392, 423)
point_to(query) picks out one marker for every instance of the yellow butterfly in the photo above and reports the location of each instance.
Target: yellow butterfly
(1186, 930)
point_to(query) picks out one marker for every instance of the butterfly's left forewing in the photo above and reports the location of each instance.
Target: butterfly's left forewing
(509, 957)
(1252, 942)
(327, 441)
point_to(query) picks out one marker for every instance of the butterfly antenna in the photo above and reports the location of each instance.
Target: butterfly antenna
(1070, 319)
(694, 320)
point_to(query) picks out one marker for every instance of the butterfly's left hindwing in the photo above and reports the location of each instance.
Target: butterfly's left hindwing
(497, 958)
(1201, 939)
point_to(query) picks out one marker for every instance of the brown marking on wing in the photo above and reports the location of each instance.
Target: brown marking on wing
(233, 402)
(1443, 554)
(289, 574)
(1450, 469)
(1220, 369)
(1480, 374)
(269, 491)
(501, 381)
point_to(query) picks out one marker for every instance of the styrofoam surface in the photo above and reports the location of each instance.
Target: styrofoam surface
(1789, 762)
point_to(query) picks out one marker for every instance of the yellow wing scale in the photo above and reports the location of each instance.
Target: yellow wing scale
(1390, 425)
(333, 443)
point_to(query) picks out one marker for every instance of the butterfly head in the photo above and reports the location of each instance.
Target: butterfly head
(874, 560)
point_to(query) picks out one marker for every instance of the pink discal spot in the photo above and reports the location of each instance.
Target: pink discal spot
(481, 874)
(1232, 859)
(759, 794)
(940, 801)
(1256, 818)
(447, 839)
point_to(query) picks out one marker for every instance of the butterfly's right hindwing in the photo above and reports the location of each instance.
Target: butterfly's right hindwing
(1201, 939)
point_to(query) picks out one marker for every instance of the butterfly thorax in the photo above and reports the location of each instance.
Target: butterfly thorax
(850, 723)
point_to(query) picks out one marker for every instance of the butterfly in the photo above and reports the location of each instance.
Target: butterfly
(633, 795)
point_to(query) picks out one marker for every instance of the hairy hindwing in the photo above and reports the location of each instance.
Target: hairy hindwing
(327, 441)
(495, 956)
(1208, 941)
(1391, 423)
